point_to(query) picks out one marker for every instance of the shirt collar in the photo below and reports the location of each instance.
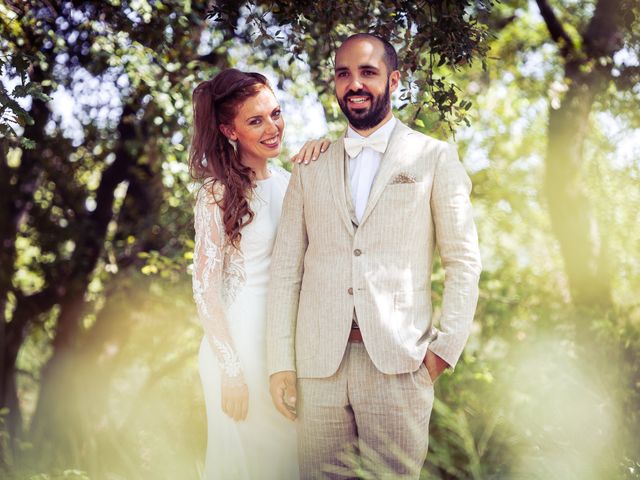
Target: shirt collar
(383, 132)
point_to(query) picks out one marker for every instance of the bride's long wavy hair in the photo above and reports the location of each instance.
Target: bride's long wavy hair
(213, 160)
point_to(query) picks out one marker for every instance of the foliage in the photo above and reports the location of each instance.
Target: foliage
(64, 475)
(529, 383)
(99, 337)
(433, 39)
(11, 112)
(97, 199)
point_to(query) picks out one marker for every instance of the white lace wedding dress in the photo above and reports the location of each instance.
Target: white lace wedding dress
(230, 289)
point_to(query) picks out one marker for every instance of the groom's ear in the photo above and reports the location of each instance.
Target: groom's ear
(228, 132)
(394, 80)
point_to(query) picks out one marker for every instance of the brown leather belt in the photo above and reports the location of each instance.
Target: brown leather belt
(355, 335)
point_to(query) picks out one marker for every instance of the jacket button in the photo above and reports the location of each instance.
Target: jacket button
(357, 252)
(350, 291)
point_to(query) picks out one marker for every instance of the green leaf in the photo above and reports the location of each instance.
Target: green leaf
(27, 143)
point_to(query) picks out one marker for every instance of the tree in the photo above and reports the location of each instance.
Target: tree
(527, 313)
(87, 207)
(591, 72)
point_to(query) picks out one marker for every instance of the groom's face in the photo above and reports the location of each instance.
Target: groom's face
(363, 83)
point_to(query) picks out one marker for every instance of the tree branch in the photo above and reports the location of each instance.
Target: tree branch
(603, 37)
(557, 31)
(629, 76)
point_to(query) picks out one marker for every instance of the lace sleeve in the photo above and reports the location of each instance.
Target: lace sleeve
(208, 285)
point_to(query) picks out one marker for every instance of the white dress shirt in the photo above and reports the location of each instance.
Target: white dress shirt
(364, 167)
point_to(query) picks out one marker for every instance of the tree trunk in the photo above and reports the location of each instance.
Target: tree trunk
(59, 423)
(588, 71)
(18, 187)
(8, 398)
(572, 218)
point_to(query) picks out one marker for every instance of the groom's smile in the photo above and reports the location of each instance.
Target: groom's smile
(358, 101)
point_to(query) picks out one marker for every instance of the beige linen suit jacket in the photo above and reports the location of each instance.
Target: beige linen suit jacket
(323, 266)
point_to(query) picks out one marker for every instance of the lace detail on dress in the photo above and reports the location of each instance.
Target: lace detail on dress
(218, 273)
(231, 363)
(233, 274)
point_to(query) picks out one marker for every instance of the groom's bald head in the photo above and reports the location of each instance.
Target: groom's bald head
(390, 57)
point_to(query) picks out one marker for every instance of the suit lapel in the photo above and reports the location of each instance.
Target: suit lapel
(391, 161)
(336, 180)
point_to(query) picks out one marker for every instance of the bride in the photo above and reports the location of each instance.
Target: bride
(238, 126)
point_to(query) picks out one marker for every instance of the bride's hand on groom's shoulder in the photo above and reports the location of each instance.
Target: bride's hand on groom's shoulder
(235, 399)
(284, 394)
(311, 150)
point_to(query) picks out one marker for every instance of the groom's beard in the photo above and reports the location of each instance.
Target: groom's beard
(364, 119)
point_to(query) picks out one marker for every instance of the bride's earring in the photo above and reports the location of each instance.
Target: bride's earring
(234, 144)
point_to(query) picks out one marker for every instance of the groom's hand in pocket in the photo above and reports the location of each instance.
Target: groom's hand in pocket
(282, 386)
(435, 365)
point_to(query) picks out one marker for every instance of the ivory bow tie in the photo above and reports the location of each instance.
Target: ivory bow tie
(353, 146)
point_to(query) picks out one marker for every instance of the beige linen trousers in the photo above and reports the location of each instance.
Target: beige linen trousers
(323, 267)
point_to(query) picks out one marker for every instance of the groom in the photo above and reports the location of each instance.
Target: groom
(352, 351)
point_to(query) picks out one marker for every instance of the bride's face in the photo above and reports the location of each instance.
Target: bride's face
(258, 126)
